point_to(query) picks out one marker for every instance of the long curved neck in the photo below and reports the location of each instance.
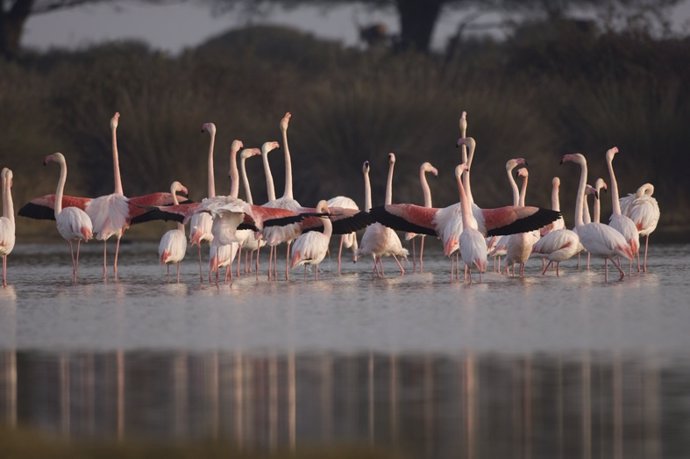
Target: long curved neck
(596, 214)
(615, 204)
(211, 172)
(60, 188)
(234, 175)
(367, 192)
(514, 187)
(389, 183)
(425, 188)
(7, 204)
(466, 178)
(586, 217)
(465, 206)
(327, 227)
(270, 188)
(555, 201)
(579, 202)
(173, 192)
(287, 193)
(523, 191)
(116, 164)
(245, 181)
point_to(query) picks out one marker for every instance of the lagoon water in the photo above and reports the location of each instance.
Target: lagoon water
(509, 367)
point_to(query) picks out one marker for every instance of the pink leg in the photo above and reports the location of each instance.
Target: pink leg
(105, 255)
(178, 272)
(287, 261)
(414, 255)
(606, 269)
(402, 270)
(201, 277)
(340, 252)
(617, 264)
(558, 264)
(71, 252)
(239, 260)
(547, 267)
(78, 247)
(4, 271)
(589, 258)
(421, 254)
(646, 243)
(117, 254)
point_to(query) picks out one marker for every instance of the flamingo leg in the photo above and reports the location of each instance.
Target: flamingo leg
(4, 271)
(201, 277)
(178, 272)
(547, 267)
(117, 253)
(421, 254)
(606, 269)
(239, 260)
(287, 261)
(578, 260)
(617, 264)
(402, 270)
(558, 264)
(414, 256)
(340, 251)
(589, 258)
(105, 255)
(270, 262)
(646, 243)
(71, 252)
(78, 247)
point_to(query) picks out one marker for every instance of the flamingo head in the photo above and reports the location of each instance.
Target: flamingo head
(646, 189)
(177, 187)
(268, 147)
(236, 146)
(427, 167)
(285, 121)
(556, 182)
(523, 172)
(515, 162)
(578, 158)
(115, 120)
(589, 189)
(600, 184)
(610, 153)
(249, 152)
(391, 158)
(322, 207)
(365, 167)
(209, 127)
(460, 168)
(463, 122)
(468, 141)
(54, 158)
(7, 176)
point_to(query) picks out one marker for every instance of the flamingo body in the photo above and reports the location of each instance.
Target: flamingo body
(109, 215)
(172, 247)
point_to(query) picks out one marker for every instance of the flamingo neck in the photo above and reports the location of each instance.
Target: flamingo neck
(615, 204)
(514, 187)
(425, 188)
(367, 192)
(467, 216)
(270, 188)
(327, 227)
(389, 183)
(211, 172)
(234, 175)
(523, 191)
(596, 214)
(580, 200)
(173, 192)
(7, 204)
(60, 188)
(466, 183)
(245, 181)
(555, 200)
(116, 164)
(287, 193)
(586, 217)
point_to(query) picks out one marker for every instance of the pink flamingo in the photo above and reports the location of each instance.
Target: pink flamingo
(7, 228)
(310, 248)
(73, 224)
(201, 223)
(519, 245)
(472, 243)
(173, 244)
(597, 238)
(348, 240)
(555, 205)
(618, 221)
(426, 191)
(599, 185)
(643, 210)
(379, 240)
(253, 244)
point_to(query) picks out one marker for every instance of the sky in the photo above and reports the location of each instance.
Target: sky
(175, 27)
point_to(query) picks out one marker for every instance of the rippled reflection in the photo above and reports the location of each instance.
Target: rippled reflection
(577, 405)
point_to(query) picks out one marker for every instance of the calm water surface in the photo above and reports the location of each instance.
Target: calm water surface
(510, 367)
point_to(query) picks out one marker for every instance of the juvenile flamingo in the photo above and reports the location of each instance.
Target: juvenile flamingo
(597, 238)
(426, 191)
(173, 244)
(618, 221)
(7, 233)
(310, 248)
(379, 240)
(643, 210)
(73, 224)
(472, 243)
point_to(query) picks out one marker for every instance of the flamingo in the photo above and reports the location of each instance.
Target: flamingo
(426, 191)
(519, 245)
(253, 244)
(597, 238)
(643, 210)
(173, 244)
(73, 224)
(311, 247)
(7, 228)
(555, 205)
(617, 220)
(379, 240)
(348, 240)
(109, 213)
(472, 243)
(599, 185)
(558, 244)
(200, 223)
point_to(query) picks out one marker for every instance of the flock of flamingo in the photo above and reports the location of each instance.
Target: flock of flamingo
(232, 226)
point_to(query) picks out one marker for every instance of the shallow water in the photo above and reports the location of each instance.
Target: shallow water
(533, 367)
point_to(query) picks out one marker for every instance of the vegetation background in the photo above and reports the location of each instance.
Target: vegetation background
(552, 87)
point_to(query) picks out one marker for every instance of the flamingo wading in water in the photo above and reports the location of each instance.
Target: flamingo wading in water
(310, 248)
(173, 244)
(643, 210)
(7, 228)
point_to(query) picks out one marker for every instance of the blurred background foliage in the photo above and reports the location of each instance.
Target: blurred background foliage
(552, 87)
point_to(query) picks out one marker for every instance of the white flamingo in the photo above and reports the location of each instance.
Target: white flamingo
(310, 248)
(349, 240)
(618, 221)
(252, 244)
(173, 244)
(597, 238)
(379, 240)
(7, 228)
(472, 243)
(426, 191)
(643, 210)
(72, 223)
(519, 245)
